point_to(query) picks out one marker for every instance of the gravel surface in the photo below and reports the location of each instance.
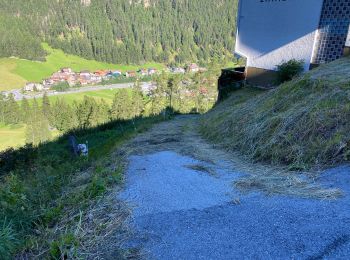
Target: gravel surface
(185, 208)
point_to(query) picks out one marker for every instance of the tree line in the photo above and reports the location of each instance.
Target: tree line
(120, 31)
(182, 93)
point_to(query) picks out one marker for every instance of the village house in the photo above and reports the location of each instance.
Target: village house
(143, 72)
(48, 83)
(130, 74)
(152, 71)
(72, 80)
(63, 75)
(102, 73)
(95, 78)
(178, 70)
(66, 70)
(193, 68)
(272, 32)
(148, 87)
(116, 73)
(83, 78)
(30, 87)
(85, 74)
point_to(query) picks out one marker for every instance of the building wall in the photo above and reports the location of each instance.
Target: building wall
(272, 31)
(333, 31)
(347, 43)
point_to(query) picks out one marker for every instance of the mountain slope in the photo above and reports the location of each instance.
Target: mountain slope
(119, 31)
(302, 123)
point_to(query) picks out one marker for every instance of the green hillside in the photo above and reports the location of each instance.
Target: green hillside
(120, 31)
(14, 73)
(11, 136)
(302, 123)
(105, 94)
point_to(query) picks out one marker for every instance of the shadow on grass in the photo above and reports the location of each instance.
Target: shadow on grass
(42, 185)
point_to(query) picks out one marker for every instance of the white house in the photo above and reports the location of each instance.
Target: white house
(270, 32)
(33, 87)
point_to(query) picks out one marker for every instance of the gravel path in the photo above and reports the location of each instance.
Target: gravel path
(186, 207)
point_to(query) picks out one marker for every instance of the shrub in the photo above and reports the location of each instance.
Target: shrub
(286, 71)
(64, 247)
(8, 241)
(61, 87)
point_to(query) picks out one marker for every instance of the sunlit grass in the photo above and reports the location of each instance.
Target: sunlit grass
(11, 136)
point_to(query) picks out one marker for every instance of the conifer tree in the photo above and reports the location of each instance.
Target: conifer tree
(172, 89)
(37, 130)
(46, 107)
(103, 112)
(137, 103)
(88, 113)
(25, 109)
(12, 111)
(2, 108)
(121, 106)
(158, 95)
(64, 117)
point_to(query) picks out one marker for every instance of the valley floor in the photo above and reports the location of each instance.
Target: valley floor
(185, 204)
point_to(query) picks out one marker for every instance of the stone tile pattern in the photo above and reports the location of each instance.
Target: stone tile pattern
(333, 31)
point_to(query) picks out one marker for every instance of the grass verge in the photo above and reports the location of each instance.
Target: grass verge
(302, 125)
(54, 205)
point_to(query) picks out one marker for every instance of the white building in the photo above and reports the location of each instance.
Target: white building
(29, 87)
(270, 32)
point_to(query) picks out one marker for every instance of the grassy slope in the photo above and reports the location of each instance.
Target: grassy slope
(14, 136)
(302, 123)
(11, 136)
(106, 94)
(14, 73)
(8, 78)
(43, 188)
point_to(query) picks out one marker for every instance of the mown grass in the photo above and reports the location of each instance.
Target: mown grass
(303, 123)
(8, 78)
(14, 73)
(49, 197)
(11, 136)
(106, 94)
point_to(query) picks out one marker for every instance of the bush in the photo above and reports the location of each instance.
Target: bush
(61, 87)
(286, 71)
(8, 241)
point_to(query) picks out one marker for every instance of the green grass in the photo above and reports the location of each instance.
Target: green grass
(106, 94)
(8, 78)
(303, 123)
(14, 73)
(11, 136)
(48, 196)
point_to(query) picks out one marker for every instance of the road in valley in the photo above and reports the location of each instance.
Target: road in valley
(19, 95)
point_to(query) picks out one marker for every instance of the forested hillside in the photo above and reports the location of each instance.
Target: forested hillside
(119, 31)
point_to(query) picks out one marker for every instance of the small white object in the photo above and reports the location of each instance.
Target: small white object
(83, 149)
